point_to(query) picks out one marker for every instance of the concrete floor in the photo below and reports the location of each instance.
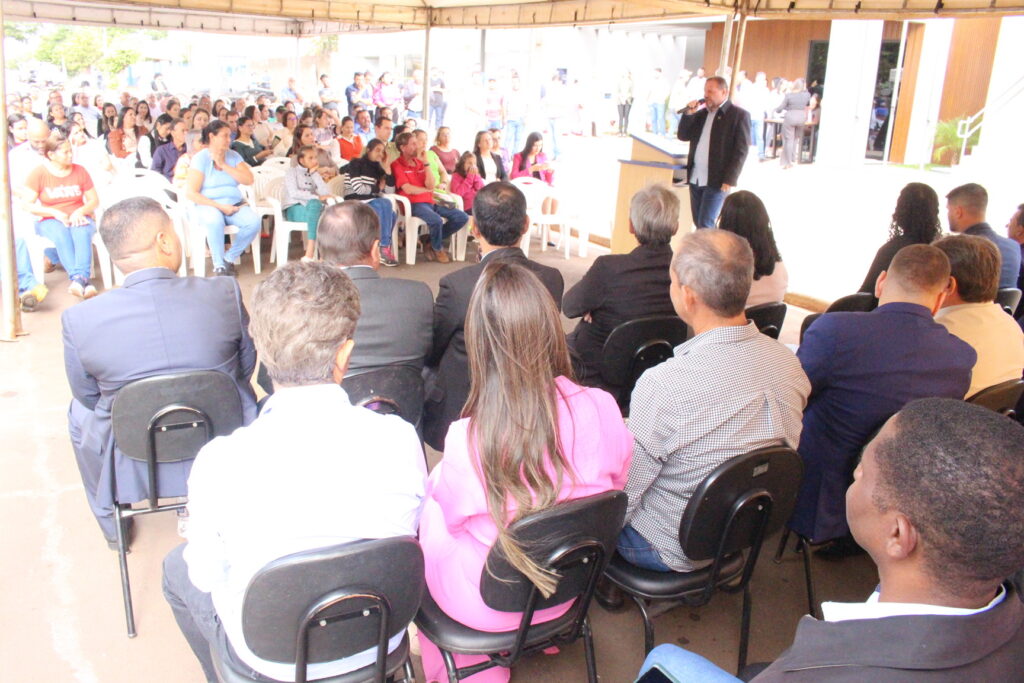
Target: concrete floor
(60, 608)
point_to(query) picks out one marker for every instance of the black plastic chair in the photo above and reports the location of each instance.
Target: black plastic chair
(768, 318)
(728, 517)
(329, 603)
(391, 390)
(636, 346)
(861, 302)
(574, 539)
(1008, 298)
(164, 419)
(1002, 398)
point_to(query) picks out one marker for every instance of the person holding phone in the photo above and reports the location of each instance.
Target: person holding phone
(213, 186)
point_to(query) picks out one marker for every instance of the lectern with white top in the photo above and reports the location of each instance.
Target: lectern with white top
(653, 159)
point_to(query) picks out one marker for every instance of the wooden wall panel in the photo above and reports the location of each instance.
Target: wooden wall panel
(779, 48)
(971, 54)
(908, 86)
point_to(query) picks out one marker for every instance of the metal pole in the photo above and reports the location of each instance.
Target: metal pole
(8, 271)
(737, 60)
(483, 57)
(895, 94)
(723, 59)
(425, 86)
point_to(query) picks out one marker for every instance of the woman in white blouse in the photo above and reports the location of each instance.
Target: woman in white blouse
(744, 214)
(488, 162)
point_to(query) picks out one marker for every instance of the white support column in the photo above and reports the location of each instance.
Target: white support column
(931, 76)
(853, 49)
(999, 145)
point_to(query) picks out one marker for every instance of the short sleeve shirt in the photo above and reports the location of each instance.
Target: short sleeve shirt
(412, 172)
(218, 185)
(65, 194)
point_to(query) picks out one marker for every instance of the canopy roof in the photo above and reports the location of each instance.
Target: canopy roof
(308, 17)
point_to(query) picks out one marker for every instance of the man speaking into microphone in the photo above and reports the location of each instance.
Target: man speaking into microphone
(719, 135)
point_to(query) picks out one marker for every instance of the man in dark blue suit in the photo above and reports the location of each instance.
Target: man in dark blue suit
(863, 368)
(156, 324)
(966, 206)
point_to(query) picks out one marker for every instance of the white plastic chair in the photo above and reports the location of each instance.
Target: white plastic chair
(461, 238)
(146, 188)
(536, 192)
(283, 229)
(197, 238)
(272, 163)
(337, 188)
(411, 224)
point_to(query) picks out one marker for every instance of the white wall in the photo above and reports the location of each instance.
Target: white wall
(931, 76)
(853, 50)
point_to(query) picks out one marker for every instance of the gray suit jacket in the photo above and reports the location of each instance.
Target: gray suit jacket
(156, 324)
(396, 323)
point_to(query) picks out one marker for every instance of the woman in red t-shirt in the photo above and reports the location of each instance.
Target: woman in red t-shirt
(62, 195)
(351, 145)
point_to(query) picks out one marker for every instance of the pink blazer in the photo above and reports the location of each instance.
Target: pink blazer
(456, 530)
(547, 176)
(466, 187)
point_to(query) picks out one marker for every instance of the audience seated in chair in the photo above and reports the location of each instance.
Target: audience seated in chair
(744, 214)
(863, 368)
(1015, 231)
(931, 502)
(576, 445)
(396, 323)
(966, 206)
(728, 390)
(499, 223)
(915, 220)
(156, 324)
(622, 287)
(970, 311)
(312, 471)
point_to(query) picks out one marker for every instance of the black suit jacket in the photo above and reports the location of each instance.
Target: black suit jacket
(396, 323)
(502, 171)
(730, 140)
(616, 289)
(448, 393)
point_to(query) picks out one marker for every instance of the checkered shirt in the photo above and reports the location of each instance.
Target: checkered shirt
(725, 392)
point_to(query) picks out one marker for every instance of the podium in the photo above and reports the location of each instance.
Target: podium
(653, 159)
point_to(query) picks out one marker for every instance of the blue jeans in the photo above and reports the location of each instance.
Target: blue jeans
(386, 213)
(705, 205)
(682, 665)
(214, 222)
(639, 551)
(757, 136)
(410, 114)
(674, 121)
(554, 126)
(494, 123)
(74, 246)
(514, 135)
(26, 278)
(657, 118)
(442, 221)
(436, 115)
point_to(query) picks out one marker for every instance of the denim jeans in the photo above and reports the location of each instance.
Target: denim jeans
(74, 246)
(214, 222)
(308, 213)
(386, 213)
(26, 278)
(436, 115)
(657, 118)
(514, 139)
(639, 551)
(673, 118)
(757, 136)
(624, 117)
(682, 665)
(705, 205)
(442, 221)
(193, 610)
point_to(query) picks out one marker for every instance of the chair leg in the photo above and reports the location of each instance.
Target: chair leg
(122, 558)
(782, 546)
(812, 603)
(744, 630)
(410, 673)
(648, 626)
(449, 664)
(588, 651)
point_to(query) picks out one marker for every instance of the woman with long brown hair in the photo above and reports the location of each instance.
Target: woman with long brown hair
(529, 438)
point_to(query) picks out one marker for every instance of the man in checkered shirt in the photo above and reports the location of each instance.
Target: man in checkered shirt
(726, 391)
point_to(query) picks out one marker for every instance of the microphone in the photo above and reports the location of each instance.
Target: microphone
(686, 109)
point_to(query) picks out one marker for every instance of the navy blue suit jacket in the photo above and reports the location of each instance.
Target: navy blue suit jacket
(863, 368)
(156, 324)
(1009, 250)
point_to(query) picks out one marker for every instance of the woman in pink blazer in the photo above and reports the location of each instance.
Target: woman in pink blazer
(523, 412)
(533, 163)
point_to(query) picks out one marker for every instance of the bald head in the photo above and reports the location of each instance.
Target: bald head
(38, 134)
(139, 234)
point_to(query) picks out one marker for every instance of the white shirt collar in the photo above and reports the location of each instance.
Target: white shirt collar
(873, 609)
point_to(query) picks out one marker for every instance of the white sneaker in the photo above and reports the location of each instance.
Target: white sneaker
(76, 289)
(90, 292)
(183, 522)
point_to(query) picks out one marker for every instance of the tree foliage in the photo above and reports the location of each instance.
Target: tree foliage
(20, 31)
(75, 49)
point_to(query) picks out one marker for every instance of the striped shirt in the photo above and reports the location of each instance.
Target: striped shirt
(725, 392)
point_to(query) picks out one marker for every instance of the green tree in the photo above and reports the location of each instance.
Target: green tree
(20, 31)
(117, 60)
(75, 50)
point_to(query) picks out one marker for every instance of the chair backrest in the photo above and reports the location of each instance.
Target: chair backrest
(1002, 397)
(168, 418)
(1008, 298)
(277, 162)
(391, 390)
(274, 188)
(638, 345)
(337, 185)
(768, 318)
(861, 302)
(742, 501)
(324, 604)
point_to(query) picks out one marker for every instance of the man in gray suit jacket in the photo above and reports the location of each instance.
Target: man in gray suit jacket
(397, 315)
(156, 324)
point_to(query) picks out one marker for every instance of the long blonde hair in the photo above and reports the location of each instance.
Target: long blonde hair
(516, 349)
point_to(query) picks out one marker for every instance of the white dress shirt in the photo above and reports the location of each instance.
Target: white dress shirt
(312, 471)
(995, 336)
(702, 153)
(873, 609)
